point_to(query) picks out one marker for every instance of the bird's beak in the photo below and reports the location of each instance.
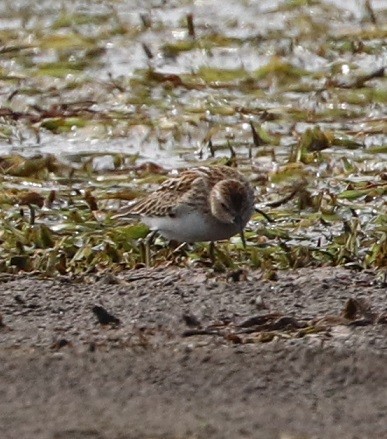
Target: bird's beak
(243, 239)
(239, 223)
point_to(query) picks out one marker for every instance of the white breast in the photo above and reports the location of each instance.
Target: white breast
(191, 227)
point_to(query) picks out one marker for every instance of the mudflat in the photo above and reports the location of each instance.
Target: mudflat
(181, 353)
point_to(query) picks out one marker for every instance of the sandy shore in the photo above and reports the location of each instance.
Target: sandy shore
(181, 357)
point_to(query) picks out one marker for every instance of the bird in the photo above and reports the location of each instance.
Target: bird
(207, 203)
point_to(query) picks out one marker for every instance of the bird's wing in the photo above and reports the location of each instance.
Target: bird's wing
(186, 191)
(172, 194)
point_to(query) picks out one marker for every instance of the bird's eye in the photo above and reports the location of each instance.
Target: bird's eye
(224, 206)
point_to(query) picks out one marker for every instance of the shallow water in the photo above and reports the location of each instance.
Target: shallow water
(292, 92)
(166, 123)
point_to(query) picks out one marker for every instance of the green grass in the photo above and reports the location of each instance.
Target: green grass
(306, 126)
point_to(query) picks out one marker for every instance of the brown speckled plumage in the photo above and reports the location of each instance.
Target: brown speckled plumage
(190, 187)
(200, 204)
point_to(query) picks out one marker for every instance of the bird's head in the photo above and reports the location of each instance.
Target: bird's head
(231, 202)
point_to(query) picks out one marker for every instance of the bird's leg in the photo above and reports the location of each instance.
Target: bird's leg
(211, 251)
(146, 245)
(243, 239)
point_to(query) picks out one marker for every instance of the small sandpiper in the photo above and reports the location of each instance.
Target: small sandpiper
(200, 204)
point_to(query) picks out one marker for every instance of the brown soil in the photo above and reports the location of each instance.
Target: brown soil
(64, 375)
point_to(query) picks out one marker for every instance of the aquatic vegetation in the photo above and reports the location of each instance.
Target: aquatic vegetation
(296, 101)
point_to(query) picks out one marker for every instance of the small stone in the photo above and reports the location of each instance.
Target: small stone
(259, 302)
